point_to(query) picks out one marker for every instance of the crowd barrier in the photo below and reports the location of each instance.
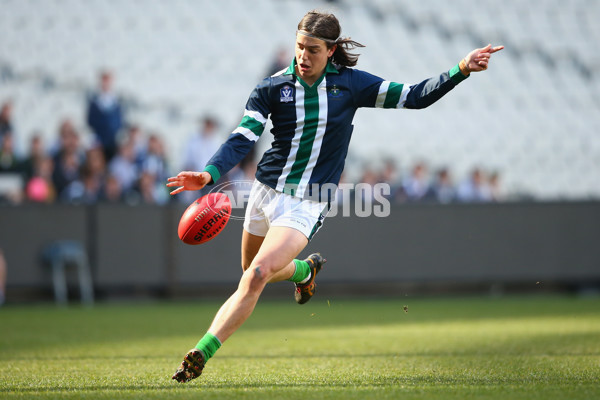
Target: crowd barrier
(136, 251)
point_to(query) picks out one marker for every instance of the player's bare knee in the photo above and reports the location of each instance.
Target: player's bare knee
(257, 278)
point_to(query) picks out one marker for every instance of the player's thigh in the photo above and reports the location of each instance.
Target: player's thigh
(250, 246)
(279, 248)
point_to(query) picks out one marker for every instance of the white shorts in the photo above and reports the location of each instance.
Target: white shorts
(268, 207)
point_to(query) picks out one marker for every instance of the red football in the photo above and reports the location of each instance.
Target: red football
(204, 219)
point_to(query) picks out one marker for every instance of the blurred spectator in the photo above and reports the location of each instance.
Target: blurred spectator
(146, 188)
(88, 187)
(199, 149)
(154, 172)
(390, 172)
(123, 166)
(69, 157)
(112, 191)
(154, 161)
(391, 176)
(11, 180)
(3, 272)
(151, 190)
(202, 145)
(6, 118)
(416, 186)
(443, 187)
(495, 187)
(8, 158)
(371, 178)
(135, 135)
(85, 190)
(96, 162)
(474, 189)
(14, 172)
(40, 188)
(66, 171)
(105, 116)
(36, 153)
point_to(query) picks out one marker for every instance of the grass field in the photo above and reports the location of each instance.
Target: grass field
(451, 348)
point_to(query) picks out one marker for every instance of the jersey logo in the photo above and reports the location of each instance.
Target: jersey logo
(286, 94)
(335, 92)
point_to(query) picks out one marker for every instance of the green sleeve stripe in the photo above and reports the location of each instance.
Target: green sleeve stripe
(456, 76)
(393, 95)
(252, 124)
(214, 173)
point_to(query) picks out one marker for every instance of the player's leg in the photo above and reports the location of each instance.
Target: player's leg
(276, 229)
(250, 246)
(276, 253)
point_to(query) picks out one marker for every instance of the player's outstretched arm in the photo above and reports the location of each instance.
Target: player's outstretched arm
(478, 59)
(189, 180)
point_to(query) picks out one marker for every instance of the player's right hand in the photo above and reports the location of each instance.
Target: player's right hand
(189, 180)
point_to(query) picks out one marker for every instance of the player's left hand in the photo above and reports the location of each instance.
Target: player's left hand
(478, 59)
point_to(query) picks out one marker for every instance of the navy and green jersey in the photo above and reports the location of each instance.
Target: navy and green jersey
(312, 125)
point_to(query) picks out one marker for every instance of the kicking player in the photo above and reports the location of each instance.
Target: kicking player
(311, 105)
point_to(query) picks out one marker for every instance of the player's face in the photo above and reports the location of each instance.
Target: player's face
(311, 57)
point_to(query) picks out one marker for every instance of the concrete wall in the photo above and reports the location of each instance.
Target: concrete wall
(24, 231)
(138, 247)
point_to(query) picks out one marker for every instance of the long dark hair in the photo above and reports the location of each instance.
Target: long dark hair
(325, 26)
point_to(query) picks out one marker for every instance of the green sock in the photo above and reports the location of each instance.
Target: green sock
(302, 271)
(208, 345)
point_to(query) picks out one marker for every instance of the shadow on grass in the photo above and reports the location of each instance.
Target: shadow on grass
(158, 323)
(419, 381)
(535, 346)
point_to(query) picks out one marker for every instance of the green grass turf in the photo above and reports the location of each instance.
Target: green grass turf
(451, 348)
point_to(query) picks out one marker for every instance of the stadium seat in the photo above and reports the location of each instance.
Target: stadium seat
(64, 253)
(205, 57)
